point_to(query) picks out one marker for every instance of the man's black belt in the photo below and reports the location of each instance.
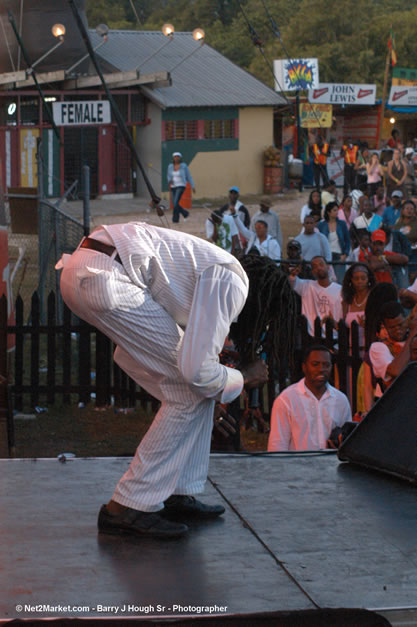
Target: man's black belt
(101, 247)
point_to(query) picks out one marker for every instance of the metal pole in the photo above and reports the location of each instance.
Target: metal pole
(116, 112)
(297, 107)
(86, 199)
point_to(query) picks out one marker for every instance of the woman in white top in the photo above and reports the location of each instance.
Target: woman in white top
(313, 206)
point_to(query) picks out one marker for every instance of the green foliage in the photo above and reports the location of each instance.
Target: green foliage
(349, 38)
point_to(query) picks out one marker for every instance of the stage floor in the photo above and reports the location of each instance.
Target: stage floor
(300, 532)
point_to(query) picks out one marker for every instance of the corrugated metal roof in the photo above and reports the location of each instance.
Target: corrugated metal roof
(205, 79)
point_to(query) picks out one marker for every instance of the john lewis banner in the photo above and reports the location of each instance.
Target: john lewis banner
(343, 93)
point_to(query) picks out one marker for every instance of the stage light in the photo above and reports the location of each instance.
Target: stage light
(392, 120)
(168, 30)
(58, 30)
(102, 30)
(198, 34)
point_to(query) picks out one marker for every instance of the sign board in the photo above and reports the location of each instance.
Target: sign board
(343, 93)
(316, 115)
(294, 74)
(81, 113)
(403, 96)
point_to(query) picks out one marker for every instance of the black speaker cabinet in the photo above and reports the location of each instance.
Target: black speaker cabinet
(386, 439)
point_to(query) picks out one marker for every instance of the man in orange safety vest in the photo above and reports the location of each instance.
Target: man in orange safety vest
(350, 152)
(320, 151)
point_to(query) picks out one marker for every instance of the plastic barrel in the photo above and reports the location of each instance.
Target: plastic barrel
(186, 198)
(273, 180)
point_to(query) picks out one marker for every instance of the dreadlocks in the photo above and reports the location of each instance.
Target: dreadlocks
(269, 317)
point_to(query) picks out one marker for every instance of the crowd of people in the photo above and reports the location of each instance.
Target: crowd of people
(354, 260)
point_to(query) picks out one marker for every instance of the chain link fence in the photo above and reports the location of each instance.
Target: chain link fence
(39, 232)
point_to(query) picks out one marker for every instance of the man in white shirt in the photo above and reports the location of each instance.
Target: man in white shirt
(320, 298)
(270, 217)
(166, 299)
(305, 413)
(222, 231)
(389, 357)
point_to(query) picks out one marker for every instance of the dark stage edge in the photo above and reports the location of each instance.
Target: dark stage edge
(301, 532)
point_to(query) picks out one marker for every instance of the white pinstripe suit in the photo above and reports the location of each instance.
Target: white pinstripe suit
(168, 308)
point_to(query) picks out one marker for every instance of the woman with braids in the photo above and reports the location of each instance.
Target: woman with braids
(381, 293)
(357, 283)
(313, 207)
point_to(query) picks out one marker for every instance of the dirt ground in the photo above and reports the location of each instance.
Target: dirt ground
(287, 206)
(88, 432)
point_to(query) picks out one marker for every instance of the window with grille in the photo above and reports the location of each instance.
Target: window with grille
(181, 129)
(29, 110)
(219, 129)
(137, 108)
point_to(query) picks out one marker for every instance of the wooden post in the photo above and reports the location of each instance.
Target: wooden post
(384, 97)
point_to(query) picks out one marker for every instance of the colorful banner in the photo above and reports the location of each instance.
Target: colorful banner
(316, 115)
(403, 96)
(294, 74)
(343, 93)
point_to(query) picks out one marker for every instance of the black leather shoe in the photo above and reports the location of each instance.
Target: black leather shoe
(184, 506)
(138, 523)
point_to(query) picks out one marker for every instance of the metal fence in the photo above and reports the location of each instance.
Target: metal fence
(39, 233)
(69, 359)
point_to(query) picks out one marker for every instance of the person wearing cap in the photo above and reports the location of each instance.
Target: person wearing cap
(295, 260)
(393, 211)
(381, 260)
(266, 214)
(410, 179)
(235, 204)
(178, 177)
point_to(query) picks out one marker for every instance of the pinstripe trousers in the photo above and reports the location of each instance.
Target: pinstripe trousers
(173, 456)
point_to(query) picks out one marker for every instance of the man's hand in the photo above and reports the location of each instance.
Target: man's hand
(224, 422)
(255, 374)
